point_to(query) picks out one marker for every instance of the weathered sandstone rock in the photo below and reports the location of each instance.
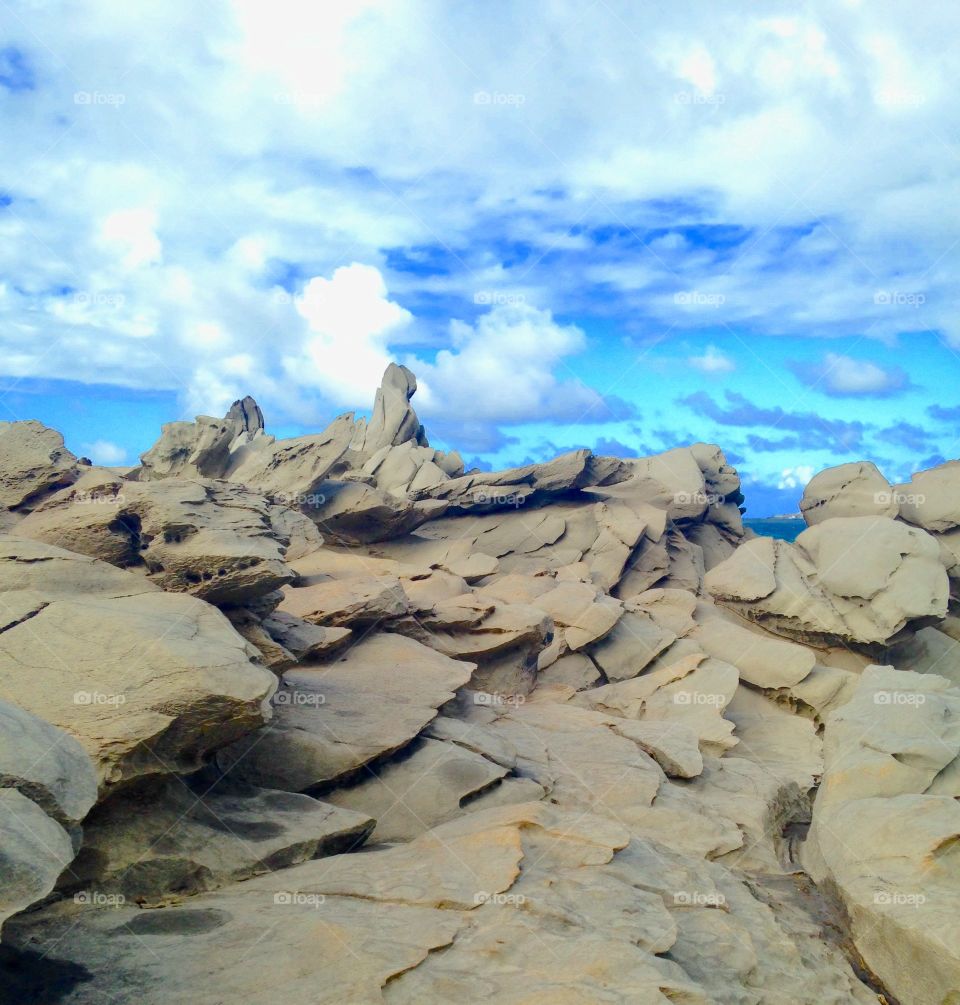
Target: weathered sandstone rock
(855, 579)
(148, 682)
(33, 461)
(332, 720)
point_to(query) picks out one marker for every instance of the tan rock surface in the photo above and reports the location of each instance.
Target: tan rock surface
(147, 681)
(857, 489)
(332, 720)
(33, 461)
(859, 579)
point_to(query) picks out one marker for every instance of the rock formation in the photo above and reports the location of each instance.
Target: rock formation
(331, 719)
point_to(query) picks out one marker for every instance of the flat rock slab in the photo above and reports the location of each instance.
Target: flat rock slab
(574, 669)
(762, 660)
(148, 682)
(183, 836)
(305, 641)
(584, 614)
(428, 787)
(332, 720)
(631, 646)
(360, 600)
(330, 931)
(672, 745)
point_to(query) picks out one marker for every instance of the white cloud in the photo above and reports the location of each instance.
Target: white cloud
(351, 322)
(132, 234)
(713, 361)
(845, 376)
(795, 477)
(105, 452)
(502, 369)
(852, 376)
(291, 139)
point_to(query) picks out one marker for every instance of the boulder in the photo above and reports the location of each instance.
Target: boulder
(33, 462)
(846, 580)
(34, 850)
(45, 764)
(213, 540)
(886, 828)
(857, 489)
(148, 682)
(930, 500)
(360, 600)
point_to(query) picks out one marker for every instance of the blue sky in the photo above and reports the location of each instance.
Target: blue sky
(630, 228)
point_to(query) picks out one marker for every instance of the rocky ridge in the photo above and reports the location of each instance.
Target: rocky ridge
(331, 719)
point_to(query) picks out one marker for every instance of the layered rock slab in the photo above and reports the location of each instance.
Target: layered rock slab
(856, 579)
(886, 828)
(332, 720)
(174, 837)
(214, 540)
(148, 682)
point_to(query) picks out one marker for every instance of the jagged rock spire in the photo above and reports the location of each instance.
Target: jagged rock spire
(247, 413)
(394, 421)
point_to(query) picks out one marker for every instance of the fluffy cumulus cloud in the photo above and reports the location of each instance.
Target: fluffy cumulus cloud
(351, 321)
(844, 376)
(511, 367)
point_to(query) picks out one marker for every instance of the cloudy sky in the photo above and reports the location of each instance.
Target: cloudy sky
(622, 225)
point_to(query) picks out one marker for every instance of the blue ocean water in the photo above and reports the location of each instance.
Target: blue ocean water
(785, 528)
